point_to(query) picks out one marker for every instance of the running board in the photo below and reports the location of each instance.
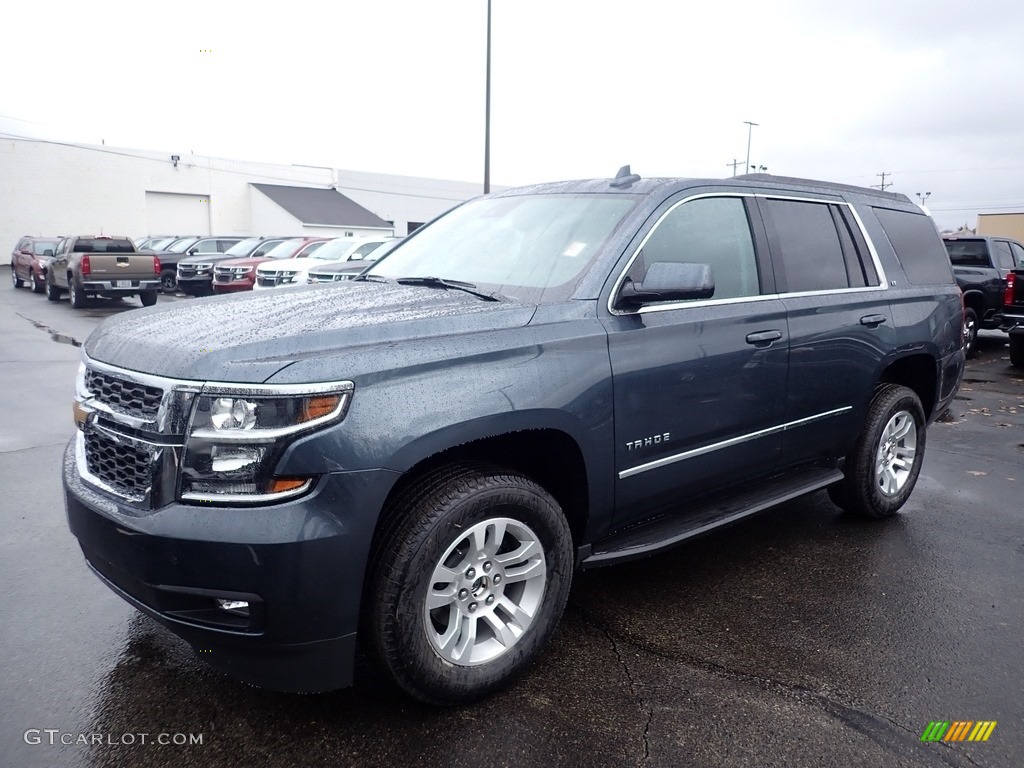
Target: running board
(657, 535)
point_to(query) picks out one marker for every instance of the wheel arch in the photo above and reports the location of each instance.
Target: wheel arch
(918, 372)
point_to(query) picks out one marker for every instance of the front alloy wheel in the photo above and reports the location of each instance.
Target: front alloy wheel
(485, 591)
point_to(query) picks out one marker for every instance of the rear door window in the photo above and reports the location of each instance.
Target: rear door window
(807, 252)
(917, 244)
(1004, 257)
(1018, 254)
(968, 253)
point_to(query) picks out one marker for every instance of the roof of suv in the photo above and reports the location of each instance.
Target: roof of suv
(648, 185)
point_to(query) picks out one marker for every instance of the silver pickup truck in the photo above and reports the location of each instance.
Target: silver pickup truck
(88, 266)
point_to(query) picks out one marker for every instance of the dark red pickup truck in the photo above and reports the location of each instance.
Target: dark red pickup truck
(1012, 318)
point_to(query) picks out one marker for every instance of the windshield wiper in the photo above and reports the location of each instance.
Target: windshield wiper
(458, 285)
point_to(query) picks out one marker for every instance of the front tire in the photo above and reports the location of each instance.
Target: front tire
(38, 286)
(168, 281)
(52, 291)
(884, 464)
(970, 333)
(469, 577)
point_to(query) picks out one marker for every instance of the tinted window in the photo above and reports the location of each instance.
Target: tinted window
(1018, 253)
(967, 253)
(806, 250)
(1003, 256)
(41, 246)
(103, 245)
(918, 246)
(710, 230)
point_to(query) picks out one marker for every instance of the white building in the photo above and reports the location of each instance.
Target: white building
(53, 188)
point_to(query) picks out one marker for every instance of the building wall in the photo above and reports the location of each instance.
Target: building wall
(49, 188)
(1002, 224)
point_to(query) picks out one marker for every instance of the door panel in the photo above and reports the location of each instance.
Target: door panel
(687, 380)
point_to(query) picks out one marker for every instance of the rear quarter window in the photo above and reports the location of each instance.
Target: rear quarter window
(918, 247)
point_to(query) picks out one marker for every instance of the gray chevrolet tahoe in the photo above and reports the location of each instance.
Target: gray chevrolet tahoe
(561, 376)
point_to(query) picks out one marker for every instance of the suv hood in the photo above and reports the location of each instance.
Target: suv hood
(247, 262)
(249, 337)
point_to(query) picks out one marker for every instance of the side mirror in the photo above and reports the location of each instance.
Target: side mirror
(669, 281)
(48, 252)
(192, 251)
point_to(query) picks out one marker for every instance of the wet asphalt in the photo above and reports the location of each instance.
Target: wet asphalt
(798, 638)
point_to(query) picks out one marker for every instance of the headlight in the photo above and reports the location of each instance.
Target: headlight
(237, 435)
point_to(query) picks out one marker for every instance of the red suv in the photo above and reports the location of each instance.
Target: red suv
(30, 260)
(240, 274)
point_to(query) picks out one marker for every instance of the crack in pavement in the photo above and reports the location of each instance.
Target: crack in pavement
(644, 705)
(60, 338)
(883, 731)
(33, 448)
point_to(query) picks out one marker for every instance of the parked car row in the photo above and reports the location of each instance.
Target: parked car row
(86, 266)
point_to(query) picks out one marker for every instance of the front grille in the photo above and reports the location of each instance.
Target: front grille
(332, 277)
(192, 270)
(227, 274)
(266, 282)
(124, 396)
(123, 468)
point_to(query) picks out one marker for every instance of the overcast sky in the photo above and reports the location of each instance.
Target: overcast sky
(929, 92)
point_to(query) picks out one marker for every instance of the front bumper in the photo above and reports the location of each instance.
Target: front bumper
(234, 285)
(299, 564)
(194, 286)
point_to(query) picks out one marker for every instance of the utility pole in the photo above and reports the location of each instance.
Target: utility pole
(487, 110)
(735, 163)
(883, 185)
(750, 128)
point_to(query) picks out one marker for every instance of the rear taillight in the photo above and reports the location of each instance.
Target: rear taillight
(86, 266)
(1008, 296)
(156, 266)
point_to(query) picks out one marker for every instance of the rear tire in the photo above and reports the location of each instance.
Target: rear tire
(469, 577)
(78, 299)
(15, 280)
(148, 298)
(970, 333)
(1017, 350)
(883, 466)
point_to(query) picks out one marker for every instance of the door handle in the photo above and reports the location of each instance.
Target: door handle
(873, 321)
(763, 338)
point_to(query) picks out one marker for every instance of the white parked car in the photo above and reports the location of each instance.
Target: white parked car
(291, 273)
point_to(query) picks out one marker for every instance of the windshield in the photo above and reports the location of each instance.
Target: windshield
(182, 245)
(285, 250)
(160, 244)
(360, 253)
(333, 250)
(243, 248)
(533, 248)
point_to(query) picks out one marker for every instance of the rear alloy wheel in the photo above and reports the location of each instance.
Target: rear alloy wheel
(970, 333)
(884, 464)
(15, 280)
(470, 576)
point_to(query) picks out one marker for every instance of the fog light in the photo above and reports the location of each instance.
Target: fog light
(237, 607)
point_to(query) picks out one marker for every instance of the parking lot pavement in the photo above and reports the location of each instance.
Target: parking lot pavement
(797, 638)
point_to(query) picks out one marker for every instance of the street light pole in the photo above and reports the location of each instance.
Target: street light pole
(750, 129)
(487, 109)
